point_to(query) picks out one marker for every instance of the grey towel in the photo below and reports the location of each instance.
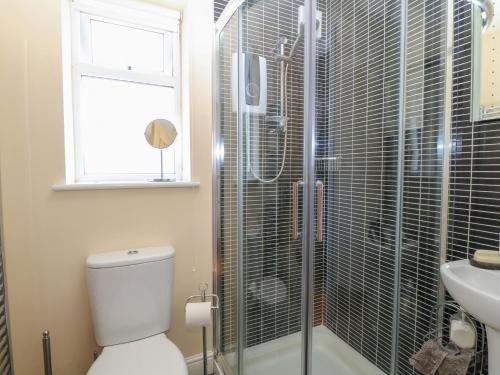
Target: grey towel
(456, 362)
(428, 359)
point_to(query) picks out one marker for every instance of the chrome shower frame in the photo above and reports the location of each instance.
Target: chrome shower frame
(309, 179)
(219, 361)
(309, 190)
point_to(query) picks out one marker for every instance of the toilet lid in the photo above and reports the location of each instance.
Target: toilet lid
(154, 355)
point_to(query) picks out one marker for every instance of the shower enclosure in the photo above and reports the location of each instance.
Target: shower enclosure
(330, 141)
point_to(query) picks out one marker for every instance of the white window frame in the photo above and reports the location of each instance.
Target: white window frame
(146, 17)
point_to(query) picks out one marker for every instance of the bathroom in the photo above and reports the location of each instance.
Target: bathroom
(326, 173)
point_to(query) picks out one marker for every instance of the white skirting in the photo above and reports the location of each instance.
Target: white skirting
(195, 364)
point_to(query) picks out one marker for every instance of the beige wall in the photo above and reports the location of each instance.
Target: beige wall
(48, 234)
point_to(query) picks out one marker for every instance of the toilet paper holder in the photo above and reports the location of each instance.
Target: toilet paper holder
(203, 297)
(215, 307)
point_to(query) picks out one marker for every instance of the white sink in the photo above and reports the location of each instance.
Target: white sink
(478, 291)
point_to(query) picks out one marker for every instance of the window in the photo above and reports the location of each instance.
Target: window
(125, 73)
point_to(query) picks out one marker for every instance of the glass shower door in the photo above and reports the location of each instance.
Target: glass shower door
(358, 96)
(271, 87)
(261, 212)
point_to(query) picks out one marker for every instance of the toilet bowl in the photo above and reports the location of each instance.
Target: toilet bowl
(130, 295)
(155, 355)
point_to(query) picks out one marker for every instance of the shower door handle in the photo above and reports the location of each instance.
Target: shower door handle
(319, 210)
(295, 209)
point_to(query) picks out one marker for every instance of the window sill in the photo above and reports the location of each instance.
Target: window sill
(124, 185)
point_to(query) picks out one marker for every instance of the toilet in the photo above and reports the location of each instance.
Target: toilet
(130, 295)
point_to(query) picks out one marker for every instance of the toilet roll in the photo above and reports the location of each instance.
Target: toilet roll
(462, 334)
(198, 314)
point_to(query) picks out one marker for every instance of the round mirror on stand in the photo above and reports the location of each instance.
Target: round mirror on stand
(160, 134)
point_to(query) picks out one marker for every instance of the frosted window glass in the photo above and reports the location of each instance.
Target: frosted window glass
(125, 47)
(113, 117)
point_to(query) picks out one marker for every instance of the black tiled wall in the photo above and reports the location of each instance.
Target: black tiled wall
(424, 124)
(474, 194)
(363, 118)
(474, 201)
